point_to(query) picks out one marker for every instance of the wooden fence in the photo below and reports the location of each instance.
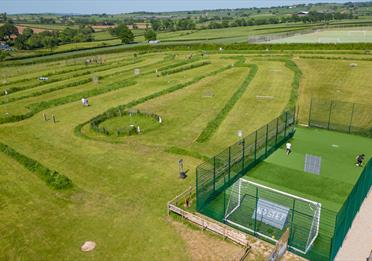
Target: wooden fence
(204, 222)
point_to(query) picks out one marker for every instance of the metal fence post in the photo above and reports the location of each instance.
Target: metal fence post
(255, 147)
(277, 128)
(330, 113)
(224, 197)
(292, 218)
(243, 152)
(214, 174)
(351, 118)
(229, 162)
(285, 126)
(267, 136)
(255, 213)
(197, 190)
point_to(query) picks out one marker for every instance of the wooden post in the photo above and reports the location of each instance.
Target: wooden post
(45, 116)
(54, 118)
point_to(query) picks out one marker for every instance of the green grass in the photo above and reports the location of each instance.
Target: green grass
(146, 123)
(333, 80)
(343, 35)
(121, 184)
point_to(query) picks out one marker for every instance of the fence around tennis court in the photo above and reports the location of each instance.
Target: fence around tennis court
(341, 116)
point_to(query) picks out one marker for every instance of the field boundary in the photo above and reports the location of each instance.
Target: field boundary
(215, 123)
(51, 177)
(204, 222)
(116, 111)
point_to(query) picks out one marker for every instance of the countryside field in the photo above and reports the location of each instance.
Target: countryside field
(337, 35)
(121, 183)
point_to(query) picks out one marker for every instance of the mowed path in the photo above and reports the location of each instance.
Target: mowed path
(358, 241)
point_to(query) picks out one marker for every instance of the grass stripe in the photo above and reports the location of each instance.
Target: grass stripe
(51, 177)
(214, 124)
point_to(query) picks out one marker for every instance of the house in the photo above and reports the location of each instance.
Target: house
(5, 47)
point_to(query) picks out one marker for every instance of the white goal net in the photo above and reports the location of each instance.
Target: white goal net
(267, 212)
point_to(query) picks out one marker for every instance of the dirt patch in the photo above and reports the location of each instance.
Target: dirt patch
(203, 245)
(36, 30)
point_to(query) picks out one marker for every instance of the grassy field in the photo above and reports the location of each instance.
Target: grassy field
(121, 184)
(338, 35)
(333, 80)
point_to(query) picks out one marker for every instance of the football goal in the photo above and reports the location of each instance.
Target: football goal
(267, 213)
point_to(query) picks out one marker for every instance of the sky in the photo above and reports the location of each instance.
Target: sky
(125, 6)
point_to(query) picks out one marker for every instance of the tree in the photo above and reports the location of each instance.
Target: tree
(150, 35)
(3, 55)
(124, 33)
(7, 30)
(20, 42)
(156, 25)
(49, 42)
(27, 32)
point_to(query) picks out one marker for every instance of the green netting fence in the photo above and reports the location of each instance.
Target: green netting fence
(351, 207)
(217, 192)
(341, 116)
(221, 171)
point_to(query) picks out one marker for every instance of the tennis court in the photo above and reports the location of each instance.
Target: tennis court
(350, 35)
(337, 171)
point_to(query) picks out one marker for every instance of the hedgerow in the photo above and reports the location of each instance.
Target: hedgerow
(51, 177)
(185, 68)
(37, 107)
(62, 85)
(187, 47)
(213, 125)
(115, 111)
(295, 83)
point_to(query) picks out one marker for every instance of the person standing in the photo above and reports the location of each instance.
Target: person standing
(288, 148)
(359, 160)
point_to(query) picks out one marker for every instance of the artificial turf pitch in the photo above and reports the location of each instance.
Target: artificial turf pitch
(338, 172)
(338, 175)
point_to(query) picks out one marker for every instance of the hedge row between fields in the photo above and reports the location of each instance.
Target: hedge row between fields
(51, 177)
(118, 110)
(187, 47)
(214, 124)
(37, 107)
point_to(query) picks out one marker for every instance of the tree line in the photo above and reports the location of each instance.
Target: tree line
(28, 39)
(311, 17)
(126, 35)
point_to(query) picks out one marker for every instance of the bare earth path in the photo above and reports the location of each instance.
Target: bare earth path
(358, 242)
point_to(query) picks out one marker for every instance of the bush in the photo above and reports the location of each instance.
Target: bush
(184, 68)
(216, 122)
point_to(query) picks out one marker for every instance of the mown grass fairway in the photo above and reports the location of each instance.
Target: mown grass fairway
(121, 184)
